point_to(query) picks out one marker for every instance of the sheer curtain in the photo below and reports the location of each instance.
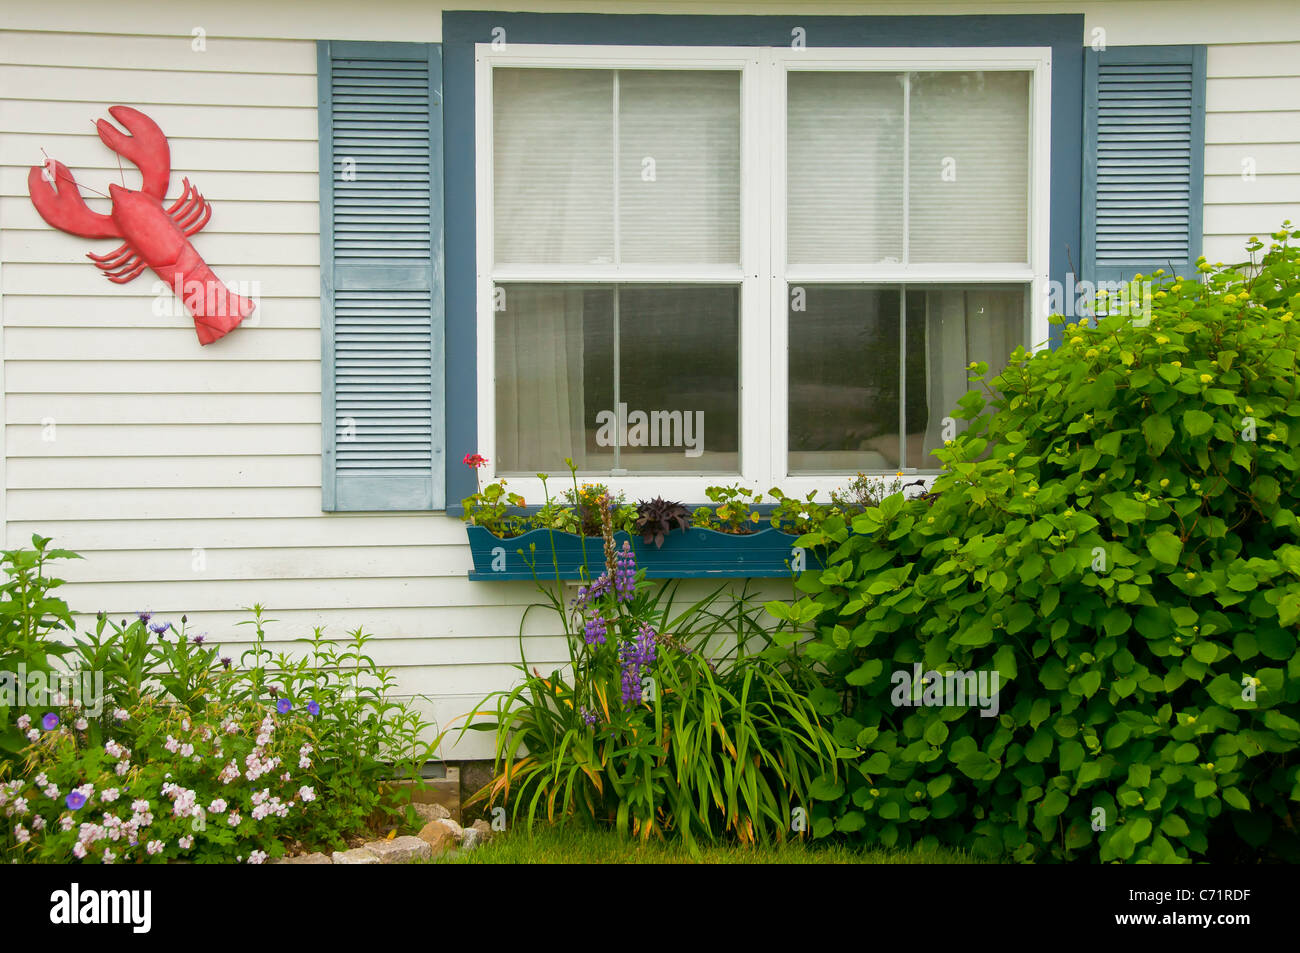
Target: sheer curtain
(539, 381)
(964, 325)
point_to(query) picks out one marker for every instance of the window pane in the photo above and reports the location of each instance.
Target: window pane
(679, 166)
(846, 377)
(553, 139)
(844, 141)
(948, 327)
(969, 167)
(674, 406)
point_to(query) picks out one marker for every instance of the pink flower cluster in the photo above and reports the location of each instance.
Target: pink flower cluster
(265, 804)
(183, 799)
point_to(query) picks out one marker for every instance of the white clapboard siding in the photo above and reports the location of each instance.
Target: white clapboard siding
(50, 436)
(173, 53)
(226, 188)
(120, 311)
(393, 622)
(43, 245)
(177, 121)
(357, 529)
(275, 217)
(185, 411)
(190, 476)
(1252, 143)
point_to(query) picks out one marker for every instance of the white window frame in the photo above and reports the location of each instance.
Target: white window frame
(762, 275)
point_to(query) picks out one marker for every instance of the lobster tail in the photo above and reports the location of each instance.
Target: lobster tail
(217, 310)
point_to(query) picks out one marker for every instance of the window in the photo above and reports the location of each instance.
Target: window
(763, 266)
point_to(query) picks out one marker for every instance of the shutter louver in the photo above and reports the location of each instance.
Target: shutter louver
(1143, 161)
(381, 274)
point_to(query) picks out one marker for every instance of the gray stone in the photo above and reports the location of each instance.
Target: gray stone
(430, 812)
(315, 858)
(484, 829)
(357, 855)
(400, 850)
(470, 838)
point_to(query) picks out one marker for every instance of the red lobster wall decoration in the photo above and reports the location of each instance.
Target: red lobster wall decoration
(154, 237)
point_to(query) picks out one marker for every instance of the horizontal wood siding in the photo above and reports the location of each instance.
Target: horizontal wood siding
(190, 476)
(1252, 143)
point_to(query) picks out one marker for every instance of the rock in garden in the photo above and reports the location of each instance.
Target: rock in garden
(400, 850)
(430, 812)
(357, 855)
(470, 838)
(484, 829)
(441, 836)
(314, 858)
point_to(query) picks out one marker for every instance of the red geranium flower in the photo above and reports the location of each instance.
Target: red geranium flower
(475, 460)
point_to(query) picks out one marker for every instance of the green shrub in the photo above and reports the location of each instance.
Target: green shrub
(29, 616)
(1116, 535)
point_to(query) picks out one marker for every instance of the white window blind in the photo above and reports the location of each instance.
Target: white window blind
(845, 158)
(554, 138)
(616, 166)
(919, 167)
(968, 182)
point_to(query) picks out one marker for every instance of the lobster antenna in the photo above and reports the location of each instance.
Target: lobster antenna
(120, 171)
(68, 178)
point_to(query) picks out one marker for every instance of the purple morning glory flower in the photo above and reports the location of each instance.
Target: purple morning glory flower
(50, 721)
(313, 708)
(283, 706)
(75, 800)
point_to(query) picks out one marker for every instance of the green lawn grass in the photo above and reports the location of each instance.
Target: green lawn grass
(559, 845)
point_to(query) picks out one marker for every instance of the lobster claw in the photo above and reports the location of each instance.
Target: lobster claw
(146, 146)
(54, 193)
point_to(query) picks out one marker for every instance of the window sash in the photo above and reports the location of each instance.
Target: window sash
(764, 276)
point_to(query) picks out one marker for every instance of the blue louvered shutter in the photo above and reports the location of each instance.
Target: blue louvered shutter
(1144, 149)
(382, 360)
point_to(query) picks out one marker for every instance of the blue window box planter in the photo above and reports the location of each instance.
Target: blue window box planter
(693, 554)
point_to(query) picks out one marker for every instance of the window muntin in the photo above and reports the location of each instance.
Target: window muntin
(764, 278)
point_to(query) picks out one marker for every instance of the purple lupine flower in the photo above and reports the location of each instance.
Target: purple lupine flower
(588, 716)
(625, 574)
(589, 594)
(283, 706)
(50, 721)
(635, 657)
(313, 709)
(75, 800)
(595, 631)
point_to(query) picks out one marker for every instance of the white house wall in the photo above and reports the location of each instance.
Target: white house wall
(190, 477)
